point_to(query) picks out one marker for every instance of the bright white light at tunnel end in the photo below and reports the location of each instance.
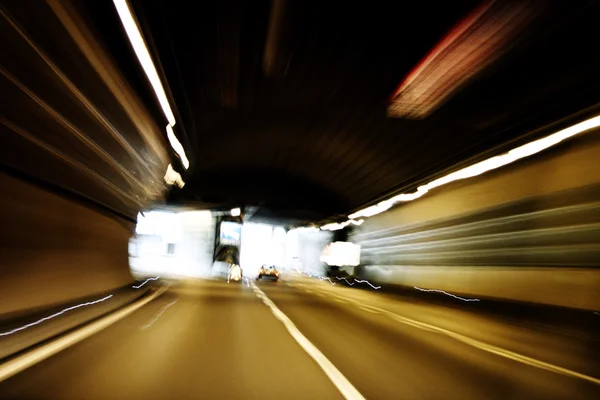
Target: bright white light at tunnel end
(479, 168)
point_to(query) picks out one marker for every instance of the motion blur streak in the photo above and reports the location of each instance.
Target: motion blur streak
(146, 281)
(161, 312)
(69, 160)
(55, 315)
(89, 106)
(112, 77)
(143, 55)
(446, 293)
(479, 168)
(80, 135)
(467, 50)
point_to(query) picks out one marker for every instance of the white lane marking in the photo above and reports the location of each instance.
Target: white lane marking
(159, 314)
(20, 363)
(39, 321)
(478, 344)
(336, 377)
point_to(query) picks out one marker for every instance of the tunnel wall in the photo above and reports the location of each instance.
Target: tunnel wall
(527, 232)
(54, 249)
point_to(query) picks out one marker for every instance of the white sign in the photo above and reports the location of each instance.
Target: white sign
(341, 254)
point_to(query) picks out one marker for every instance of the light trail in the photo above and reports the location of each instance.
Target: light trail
(347, 281)
(368, 283)
(159, 314)
(55, 315)
(146, 281)
(326, 278)
(446, 293)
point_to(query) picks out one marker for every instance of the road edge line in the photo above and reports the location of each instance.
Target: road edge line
(342, 384)
(490, 348)
(29, 359)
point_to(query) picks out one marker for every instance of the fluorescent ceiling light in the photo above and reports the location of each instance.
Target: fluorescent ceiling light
(335, 226)
(236, 212)
(479, 168)
(176, 145)
(143, 55)
(173, 177)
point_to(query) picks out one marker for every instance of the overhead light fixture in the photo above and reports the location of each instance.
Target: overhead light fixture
(235, 212)
(479, 168)
(173, 177)
(335, 226)
(143, 55)
(176, 145)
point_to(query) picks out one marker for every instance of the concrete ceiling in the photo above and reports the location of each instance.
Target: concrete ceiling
(282, 105)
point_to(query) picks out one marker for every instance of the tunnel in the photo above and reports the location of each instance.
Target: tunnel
(422, 183)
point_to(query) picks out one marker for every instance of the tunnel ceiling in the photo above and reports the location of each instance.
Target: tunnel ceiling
(283, 106)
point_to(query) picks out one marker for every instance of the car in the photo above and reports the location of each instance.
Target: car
(268, 272)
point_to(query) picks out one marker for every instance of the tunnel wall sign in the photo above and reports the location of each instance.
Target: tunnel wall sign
(231, 234)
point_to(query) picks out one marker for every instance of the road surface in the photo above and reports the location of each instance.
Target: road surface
(213, 340)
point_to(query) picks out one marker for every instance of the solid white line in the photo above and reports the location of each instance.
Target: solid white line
(478, 344)
(336, 377)
(20, 363)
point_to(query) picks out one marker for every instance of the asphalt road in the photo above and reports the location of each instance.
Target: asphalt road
(213, 340)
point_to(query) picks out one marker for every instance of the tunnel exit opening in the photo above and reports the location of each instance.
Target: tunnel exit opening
(171, 243)
(263, 245)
